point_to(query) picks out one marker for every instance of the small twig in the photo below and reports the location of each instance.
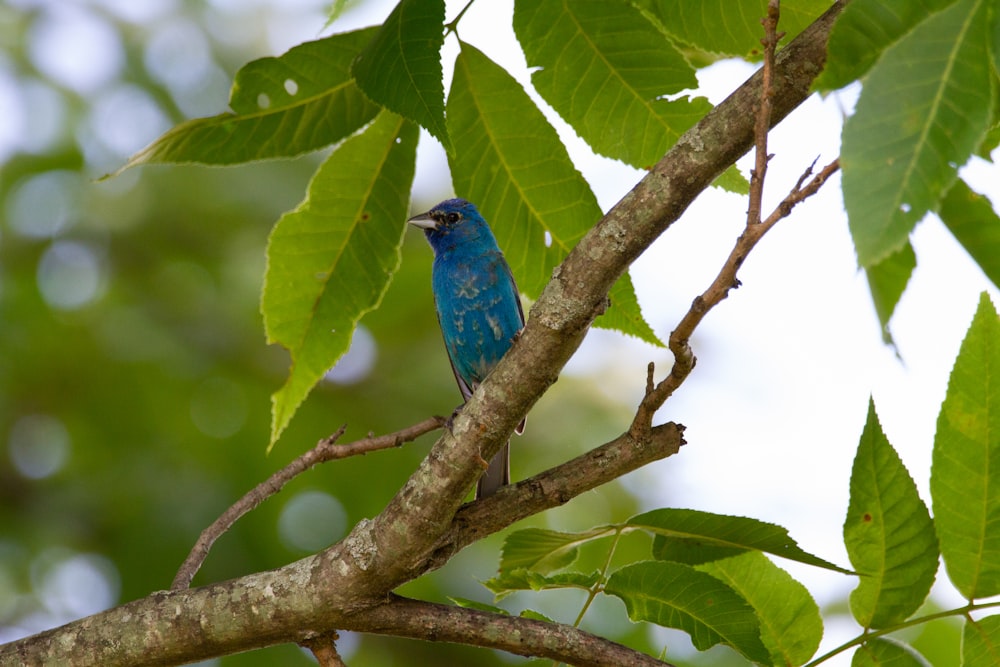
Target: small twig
(763, 116)
(324, 649)
(684, 359)
(325, 450)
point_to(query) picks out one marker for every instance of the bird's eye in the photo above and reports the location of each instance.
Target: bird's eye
(453, 217)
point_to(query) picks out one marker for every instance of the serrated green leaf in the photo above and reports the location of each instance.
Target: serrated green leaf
(545, 550)
(523, 579)
(973, 221)
(311, 102)
(466, 603)
(400, 68)
(331, 259)
(965, 467)
(732, 27)
(606, 70)
(888, 533)
(790, 624)
(510, 162)
(924, 109)
(864, 30)
(981, 642)
(678, 596)
(733, 180)
(884, 652)
(887, 281)
(704, 536)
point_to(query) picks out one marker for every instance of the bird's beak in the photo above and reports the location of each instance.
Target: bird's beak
(424, 221)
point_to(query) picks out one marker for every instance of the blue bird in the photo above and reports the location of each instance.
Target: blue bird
(477, 306)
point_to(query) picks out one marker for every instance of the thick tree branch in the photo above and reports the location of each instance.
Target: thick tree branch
(324, 592)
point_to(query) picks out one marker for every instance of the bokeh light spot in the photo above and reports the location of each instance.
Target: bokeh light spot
(76, 48)
(39, 445)
(69, 275)
(73, 585)
(311, 520)
(219, 407)
(358, 362)
(42, 206)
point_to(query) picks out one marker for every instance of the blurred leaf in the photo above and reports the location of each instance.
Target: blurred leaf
(544, 550)
(965, 470)
(888, 533)
(924, 108)
(884, 652)
(973, 221)
(522, 579)
(864, 30)
(331, 259)
(981, 642)
(717, 535)
(790, 624)
(310, 101)
(732, 27)
(535, 615)
(887, 281)
(606, 70)
(510, 162)
(400, 68)
(466, 603)
(678, 596)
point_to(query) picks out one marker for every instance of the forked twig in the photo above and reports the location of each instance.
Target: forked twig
(325, 450)
(684, 359)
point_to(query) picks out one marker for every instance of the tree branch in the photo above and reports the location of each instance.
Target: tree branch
(325, 450)
(324, 592)
(562, 643)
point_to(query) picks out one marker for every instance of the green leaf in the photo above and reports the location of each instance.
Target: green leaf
(864, 30)
(732, 27)
(544, 550)
(401, 67)
(535, 615)
(888, 533)
(678, 596)
(510, 162)
(973, 221)
(924, 109)
(523, 579)
(331, 259)
(606, 70)
(466, 603)
(790, 624)
(733, 180)
(887, 281)
(698, 537)
(884, 652)
(965, 467)
(981, 642)
(311, 101)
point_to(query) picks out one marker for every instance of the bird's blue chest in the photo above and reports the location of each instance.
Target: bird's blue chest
(478, 311)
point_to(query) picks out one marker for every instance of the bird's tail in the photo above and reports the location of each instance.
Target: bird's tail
(496, 475)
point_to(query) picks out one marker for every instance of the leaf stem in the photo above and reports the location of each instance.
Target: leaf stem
(599, 585)
(873, 634)
(453, 25)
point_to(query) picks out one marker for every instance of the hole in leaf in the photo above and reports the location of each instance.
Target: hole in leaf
(291, 86)
(263, 101)
(904, 207)
(548, 239)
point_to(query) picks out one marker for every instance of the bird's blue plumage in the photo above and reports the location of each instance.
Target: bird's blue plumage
(477, 303)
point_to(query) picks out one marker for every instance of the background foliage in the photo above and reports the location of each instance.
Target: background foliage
(134, 378)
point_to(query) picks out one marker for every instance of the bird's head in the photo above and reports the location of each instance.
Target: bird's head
(453, 222)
